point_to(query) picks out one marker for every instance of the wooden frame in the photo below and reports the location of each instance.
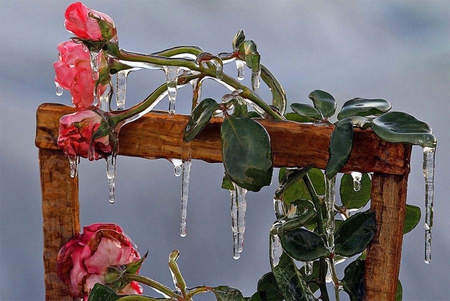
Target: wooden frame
(157, 135)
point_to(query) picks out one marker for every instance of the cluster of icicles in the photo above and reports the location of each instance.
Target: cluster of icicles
(238, 194)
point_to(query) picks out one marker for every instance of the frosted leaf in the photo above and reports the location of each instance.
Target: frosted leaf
(429, 154)
(357, 176)
(185, 179)
(171, 73)
(111, 175)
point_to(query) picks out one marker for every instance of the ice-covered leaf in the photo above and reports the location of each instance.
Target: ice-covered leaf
(289, 178)
(363, 107)
(279, 100)
(268, 289)
(353, 280)
(246, 153)
(226, 293)
(341, 144)
(239, 37)
(248, 52)
(324, 102)
(303, 245)
(290, 282)
(355, 233)
(199, 118)
(355, 199)
(399, 127)
(412, 218)
(294, 190)
(102, 292)
(307, 111)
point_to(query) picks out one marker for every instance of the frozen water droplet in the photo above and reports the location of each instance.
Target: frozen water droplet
(308, 268)
(429, 154)
(256, 80)
(276, 249)
(177, 166)
(121, 88)
(357, 176)
(73, 164)
(111, 175)
(185, 179)
(94, 64)
(59, 89)
(171, 80)
(330, 195)
(240, 65)
(238, 209)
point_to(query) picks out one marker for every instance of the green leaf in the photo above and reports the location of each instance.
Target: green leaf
(361, 122)
(297, 189)
(290, 177)
(291, 116)
(352, 199)
(340, 148)
(399, 127)
(353, 281)
(246, 153)
(399, 294)
(199, 118)
(364, 107)
(310, 278)
(239, 37)
(302, 244)
(226, 293)
(324, 102)
(249, 54)
(102, 292)
(412, 218)
(227, 183)
(355, 233)
(268, 289)
(290, 282)
(307, 111)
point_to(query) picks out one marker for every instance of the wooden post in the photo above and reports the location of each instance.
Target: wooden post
(158, 135)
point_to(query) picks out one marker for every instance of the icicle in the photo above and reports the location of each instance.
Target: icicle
(429, 154)
(240, 65)
(59, 89)
(111, 175)
(121, 88)
(256, 79)
(196, 91)
(171, 80)
(73, 164)
(329, 276)
(357, 176)
(177, 166)
(238, 208)
(329, 202)
(276, 249)
(308, 268)
(105, 98)
(278, 206)
(186, 174)
(94, 64)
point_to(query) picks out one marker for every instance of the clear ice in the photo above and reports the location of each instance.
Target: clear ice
(185, 178)
(308, 268)
(278, 206)
(59, 89)
(111, 175)
(429, 154)
(177, 166)
(240, 66)
(121, 88)
(171, 80)
(94, 64)
(73, 164)
(330, 195)
(357, 176)
(238, 209)
(256, 80)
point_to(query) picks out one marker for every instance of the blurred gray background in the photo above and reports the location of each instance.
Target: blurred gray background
(397, 50)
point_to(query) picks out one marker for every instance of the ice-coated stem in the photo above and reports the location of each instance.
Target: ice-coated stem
(185, 178)
(330, 195)
(429, 154)
(121, 88)
(111, 175)
(238, 209)
(171, 73)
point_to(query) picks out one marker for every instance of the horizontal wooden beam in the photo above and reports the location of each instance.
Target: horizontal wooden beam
(158, 135)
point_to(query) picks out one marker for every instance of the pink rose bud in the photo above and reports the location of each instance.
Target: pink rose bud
(74, 73)
(86, 134)
(88, 24)
(86, 259)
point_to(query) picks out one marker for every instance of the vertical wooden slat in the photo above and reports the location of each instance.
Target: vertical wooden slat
(60, 209)
(384, 253)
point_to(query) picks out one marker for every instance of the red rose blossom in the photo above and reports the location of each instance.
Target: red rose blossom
(85, 259)
(85, 134)
(74, 73)
(88, 24)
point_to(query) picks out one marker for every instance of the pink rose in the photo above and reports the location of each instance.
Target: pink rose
(88, 24)
(85, 259)
(86, 134)
(74, 73)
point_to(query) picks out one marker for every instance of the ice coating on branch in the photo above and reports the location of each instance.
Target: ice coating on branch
(59, 89)
(429, 154)
(185, 179)
(121, 88)
(73, 164)
(308, 268)
(171, 80)
(111, 175)
(177, 166)
(238, 209)
(240, 66)
(357, 176)
(330, 195)
(256, 80)
(276, 249)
